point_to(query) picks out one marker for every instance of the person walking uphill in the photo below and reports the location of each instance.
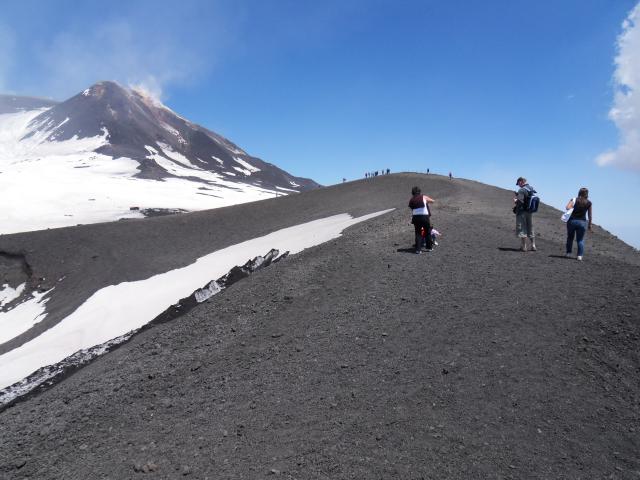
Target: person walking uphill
(420, 211)
(579, 221)
(524, 218)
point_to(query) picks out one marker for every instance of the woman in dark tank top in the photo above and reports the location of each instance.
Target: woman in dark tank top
(579, 222)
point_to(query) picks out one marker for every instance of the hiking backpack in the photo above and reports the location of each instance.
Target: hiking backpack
(531, 199)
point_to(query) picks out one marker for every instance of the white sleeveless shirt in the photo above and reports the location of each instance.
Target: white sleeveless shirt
(424, 210)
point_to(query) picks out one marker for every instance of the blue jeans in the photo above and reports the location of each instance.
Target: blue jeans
(576, 228)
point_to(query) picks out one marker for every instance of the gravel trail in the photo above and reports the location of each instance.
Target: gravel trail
(359, 359)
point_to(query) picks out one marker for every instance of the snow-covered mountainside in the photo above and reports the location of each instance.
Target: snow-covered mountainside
(114, 313)
(110, 153)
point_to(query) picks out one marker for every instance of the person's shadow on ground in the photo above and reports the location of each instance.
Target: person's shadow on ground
(510, 249)
(406, 250)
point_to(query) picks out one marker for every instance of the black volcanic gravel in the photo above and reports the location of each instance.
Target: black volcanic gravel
(353, 359)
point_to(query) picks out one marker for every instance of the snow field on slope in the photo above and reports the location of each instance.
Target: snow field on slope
(8, 293)
(247, 166)
(48, 184)
(23, 316)
(118, 309)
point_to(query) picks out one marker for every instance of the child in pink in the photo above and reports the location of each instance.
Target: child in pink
(434, 236)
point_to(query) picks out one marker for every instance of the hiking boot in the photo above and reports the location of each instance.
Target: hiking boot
(428, 250)
(523, 244)
(418, 252)
(533, 247)
(579, 258)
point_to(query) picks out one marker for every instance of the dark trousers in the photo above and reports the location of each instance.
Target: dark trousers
(419, 222)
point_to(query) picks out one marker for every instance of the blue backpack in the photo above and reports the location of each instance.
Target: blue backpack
(531, 199)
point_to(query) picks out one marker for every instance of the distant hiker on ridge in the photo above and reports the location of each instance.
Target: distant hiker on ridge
(524, 215)
(420, 211)
(577, 224)
(450, 176)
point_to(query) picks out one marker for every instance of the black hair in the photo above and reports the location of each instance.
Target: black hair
(416, 191)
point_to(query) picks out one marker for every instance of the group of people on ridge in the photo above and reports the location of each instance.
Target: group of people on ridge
(375, 173)
(579, 217)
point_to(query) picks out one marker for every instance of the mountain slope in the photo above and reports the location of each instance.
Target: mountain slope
(15, 104)
(354, 359)
(110, 153)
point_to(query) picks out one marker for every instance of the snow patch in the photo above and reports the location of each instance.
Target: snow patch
(242, 171)
(24, 316)
(118, 309)
(287, 189)
(207, 292)
(174, 132)
(46, 183)
(237, 151)
(246, 165)
(49, 372)
(177, 156)
(9, 294)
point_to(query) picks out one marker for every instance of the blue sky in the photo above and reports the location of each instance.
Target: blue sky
(490, 90)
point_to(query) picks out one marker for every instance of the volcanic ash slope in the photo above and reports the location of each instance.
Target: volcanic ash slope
(358, 359)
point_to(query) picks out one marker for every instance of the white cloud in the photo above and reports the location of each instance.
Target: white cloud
(625, 112)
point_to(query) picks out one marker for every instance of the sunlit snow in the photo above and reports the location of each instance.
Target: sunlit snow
(173, 131)
(47, 184)
(242, 171)
(285, 189)
(8, 294)
(24, 316)
(118, 309)
(246, 165)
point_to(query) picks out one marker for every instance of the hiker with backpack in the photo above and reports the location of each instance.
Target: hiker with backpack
(526, 203)
(420, 218)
